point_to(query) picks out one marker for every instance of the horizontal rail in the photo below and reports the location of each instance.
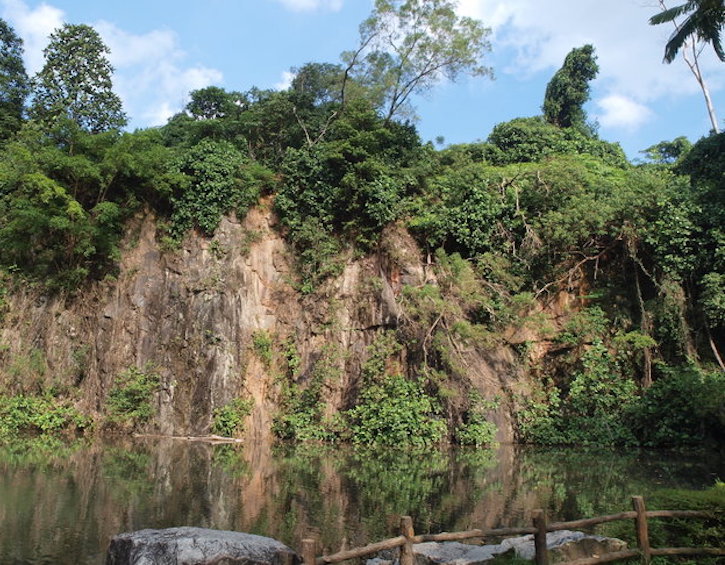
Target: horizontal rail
(391, 543)
(608, 558)
(587, 522)
(714, 551)
(470, 534)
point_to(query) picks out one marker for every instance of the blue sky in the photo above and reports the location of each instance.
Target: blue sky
(163, 49)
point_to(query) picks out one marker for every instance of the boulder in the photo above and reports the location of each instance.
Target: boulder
(563, 546)
(197, 546)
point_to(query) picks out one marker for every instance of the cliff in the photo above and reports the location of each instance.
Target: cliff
(193, 313)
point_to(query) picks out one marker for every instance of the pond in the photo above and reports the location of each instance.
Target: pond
(62, 503)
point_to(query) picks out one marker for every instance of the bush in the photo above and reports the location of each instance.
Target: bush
(130, 397)
(228, 420)
(396, 412)
(475, 428)
(39, 415)
(683, 406)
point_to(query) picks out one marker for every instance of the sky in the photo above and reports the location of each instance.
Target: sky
(163, 49)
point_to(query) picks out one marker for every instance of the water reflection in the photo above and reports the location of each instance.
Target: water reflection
(61, 504)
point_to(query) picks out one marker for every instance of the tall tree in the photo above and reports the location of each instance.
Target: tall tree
(75, 82)
(704, 20)
(687, 42)
(568, 89)
(14, 86)
(407, 46)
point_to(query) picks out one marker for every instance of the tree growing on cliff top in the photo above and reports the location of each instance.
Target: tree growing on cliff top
(14, 87)
(568, 89)
(407, 46)
(75, 82)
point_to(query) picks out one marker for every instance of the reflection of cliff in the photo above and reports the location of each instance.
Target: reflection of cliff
(66, 507)
(193, 312)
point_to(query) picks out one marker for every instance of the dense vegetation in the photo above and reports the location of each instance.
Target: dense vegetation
(542, 206)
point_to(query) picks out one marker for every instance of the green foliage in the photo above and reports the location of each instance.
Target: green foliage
(410, 45)
(684, 406)
(345, 190)
(262, 342)
(75, 82)
(690, 532)
(30, 414)
(130, 399)
(228, 420)
(476, 429)
(568, 90)
(704, 21)
(396, 412)
(712, 298)
(524, 140)
(668, 152)
(599, 394)
(14, 87)
(301, 415)
(219, 181)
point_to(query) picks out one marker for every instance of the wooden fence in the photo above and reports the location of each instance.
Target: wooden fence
(540, 527)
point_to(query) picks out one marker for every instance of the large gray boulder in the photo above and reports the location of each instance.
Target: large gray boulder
(197, 546)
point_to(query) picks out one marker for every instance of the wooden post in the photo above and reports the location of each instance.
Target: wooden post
(542, 552)
(406, 530)
(309, 547)
(642, 529)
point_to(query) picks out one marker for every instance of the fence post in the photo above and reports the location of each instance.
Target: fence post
(309, 549)
(406, 551)
(542, 552)
(642, 529)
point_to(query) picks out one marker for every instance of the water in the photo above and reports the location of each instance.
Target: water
(61, 504)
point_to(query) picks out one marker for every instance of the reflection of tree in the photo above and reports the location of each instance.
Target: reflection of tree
(342, 496)
(572, 484)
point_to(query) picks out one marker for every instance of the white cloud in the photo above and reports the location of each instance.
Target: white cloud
(621, 112)
(152, 75)
(310, 5)
(34, 27)
(535, 36)
(285, 80)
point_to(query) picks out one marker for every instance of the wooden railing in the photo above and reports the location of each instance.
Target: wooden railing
(540, 527)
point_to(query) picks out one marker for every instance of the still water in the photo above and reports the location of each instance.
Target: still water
(62, 503)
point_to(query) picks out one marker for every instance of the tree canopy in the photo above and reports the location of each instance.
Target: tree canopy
(75, 82)
(407, 46)
(704, 19)
(14, 87)
(568, 89)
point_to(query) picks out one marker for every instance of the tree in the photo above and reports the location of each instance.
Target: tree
(75, 82)
(407, 46)
(14, 86)
(688, 35)
(213, 102)
(704, 21)
(568, 89)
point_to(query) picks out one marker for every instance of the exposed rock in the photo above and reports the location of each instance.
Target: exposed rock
(196, 546)
(563, 546)
(191, 315)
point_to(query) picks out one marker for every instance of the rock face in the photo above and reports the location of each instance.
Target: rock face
(192, 315)
(197, 546)
(563, 546)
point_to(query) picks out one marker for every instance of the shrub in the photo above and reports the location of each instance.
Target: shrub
(228, 420)
(27, 414)
(475, 428)
(396, 412)
(130, 397)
